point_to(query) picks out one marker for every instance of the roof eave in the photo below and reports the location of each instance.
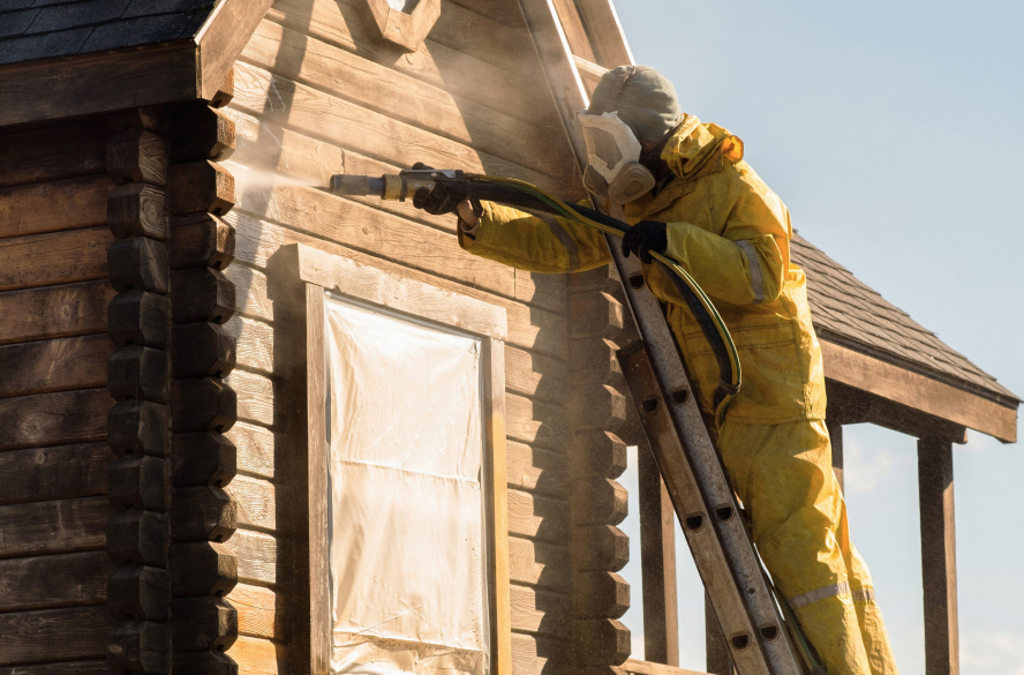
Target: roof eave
(995, 416)
(100, 82)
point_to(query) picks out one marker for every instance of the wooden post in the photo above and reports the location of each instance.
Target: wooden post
(658, 562)
(835, 434)
(938, 556)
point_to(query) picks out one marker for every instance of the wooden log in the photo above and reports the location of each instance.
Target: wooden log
(202, 404)
(536, 375)
(201, 132)
(53, 206)
(53, 527)
(137, 210)
(598, 594)
(53, 152)
(597, 453)
(538, 517)
(139, 427)
(536, 469)
(538, 563)
(139, 592)
(203, 663)
(259, 657)
(139, 481)
(138, 263)
(539, 611)
(140, 647)
(150, 117)
(255, 448)
(86, 667)
(593, 359)
(137, 372)
(599, 408)
(203, 458)
(536, 422)
(201, 294)
(600, 642)
(256, 502)
(203, 513)
(203, 624)
(258, 558)
(200, 186)
(137, 156)
(58, 418)
(201, 239)
(258, 612)
(202, 568)
(50, 365)
(54, 472)
(225, 90)
(73, 255)
(68, 634)
(254, 344)
(255, 394)
(75, 309)
(138, 537)
(139, 318)
(598, 500)
(56, 580)
(598, 315)
(599, 547)
(202, 349)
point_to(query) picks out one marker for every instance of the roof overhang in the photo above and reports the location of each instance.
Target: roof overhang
(38, 91)
(906, 389)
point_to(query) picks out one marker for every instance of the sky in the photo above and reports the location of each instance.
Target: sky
(893, 131)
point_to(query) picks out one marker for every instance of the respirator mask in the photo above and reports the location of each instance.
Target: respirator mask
(613, 158)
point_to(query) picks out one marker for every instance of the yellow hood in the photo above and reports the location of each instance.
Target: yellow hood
(693, 144)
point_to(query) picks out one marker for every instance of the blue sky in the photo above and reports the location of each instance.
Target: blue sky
(893, 131)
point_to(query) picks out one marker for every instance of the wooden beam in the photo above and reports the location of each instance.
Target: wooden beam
(606, 36)
(658, 562)
(849, 405)
(938, 556)
(58, 88)
(221, 40)
(920, 392)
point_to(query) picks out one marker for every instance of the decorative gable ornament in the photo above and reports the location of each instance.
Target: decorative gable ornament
(405, 22)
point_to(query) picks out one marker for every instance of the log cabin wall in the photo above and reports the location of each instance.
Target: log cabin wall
(317, 92)
(54, 401)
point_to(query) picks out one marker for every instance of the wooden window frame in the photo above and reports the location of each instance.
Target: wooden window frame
(309, 275)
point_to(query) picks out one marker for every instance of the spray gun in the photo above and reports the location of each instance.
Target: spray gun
(404, 185)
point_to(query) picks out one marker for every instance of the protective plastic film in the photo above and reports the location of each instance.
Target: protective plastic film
(407, 529)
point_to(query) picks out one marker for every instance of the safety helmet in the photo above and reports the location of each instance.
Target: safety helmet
(631, 106)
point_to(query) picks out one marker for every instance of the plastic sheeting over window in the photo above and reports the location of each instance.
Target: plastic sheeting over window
(407, 541)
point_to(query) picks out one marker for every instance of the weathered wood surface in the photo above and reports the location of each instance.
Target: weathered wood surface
(369, 132)
(255, 446)
(138, 537)
(137, 156)
(57, 472)
(254, 343)
(68, 634)
(75, 309)
(139, 592)
(201, 240)
(223, 36)
(255, 394)
(139, 481)
(432, 62)
(59, 580)
(257, 503)
(258, 656)
(202, 349)
(54, 419)
(533, 421)
(53, 527)
(52, 206)
(51, 365)
(257, 557)
(537, 470)
(203, 623)
(938, 556)
(202, 568)
(75, 255)
(139, 318)
(537, 517)
(138, 372)
(53, 152)
(202, 132)
(575, 32)
(377, 87)
(85, 667)
(136, 210)
(139, 427)
(539, 564)
(258, 613)
(200, 186)
(540, 611)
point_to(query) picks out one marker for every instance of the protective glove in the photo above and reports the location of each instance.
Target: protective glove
(645, 237)
(444, 197)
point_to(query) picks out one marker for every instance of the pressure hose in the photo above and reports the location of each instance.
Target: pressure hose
(524, 195)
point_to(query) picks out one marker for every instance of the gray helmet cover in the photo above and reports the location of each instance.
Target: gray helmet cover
(643, 98)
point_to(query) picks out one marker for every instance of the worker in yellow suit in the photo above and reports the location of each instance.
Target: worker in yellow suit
(686, 191)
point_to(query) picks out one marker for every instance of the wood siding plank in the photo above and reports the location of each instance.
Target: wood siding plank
(54, 205)
(53, 526)
(75, 255)
(54, 419)
(54, 473)
(74, 309)
(52, 365)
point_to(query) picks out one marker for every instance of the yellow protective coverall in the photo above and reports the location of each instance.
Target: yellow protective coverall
(731, 232)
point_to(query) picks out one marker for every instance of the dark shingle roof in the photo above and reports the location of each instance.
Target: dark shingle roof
(848, 312)
(41, 29)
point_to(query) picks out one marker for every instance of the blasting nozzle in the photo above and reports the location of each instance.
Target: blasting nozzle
(360, 186)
